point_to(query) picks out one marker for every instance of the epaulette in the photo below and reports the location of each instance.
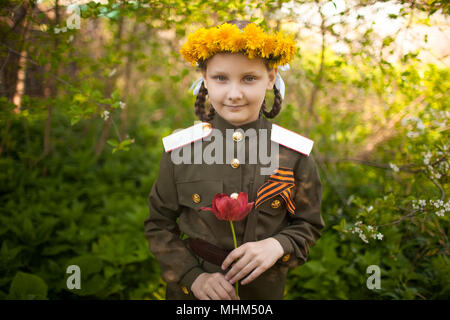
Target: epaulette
(291, 140)
(186, 136)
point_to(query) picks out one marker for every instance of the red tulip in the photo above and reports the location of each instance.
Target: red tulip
(230, 208)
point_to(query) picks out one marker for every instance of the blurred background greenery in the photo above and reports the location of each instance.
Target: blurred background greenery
(89, 88)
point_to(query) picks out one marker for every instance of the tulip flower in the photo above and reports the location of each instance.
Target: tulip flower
(231, 208)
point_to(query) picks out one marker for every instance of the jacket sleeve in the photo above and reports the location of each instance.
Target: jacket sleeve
(305, 226)
(177, 262)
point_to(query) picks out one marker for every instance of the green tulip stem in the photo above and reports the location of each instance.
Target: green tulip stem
(235, 246)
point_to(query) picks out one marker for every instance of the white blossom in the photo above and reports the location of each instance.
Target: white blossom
(427, 157)
(105, 114)
(363, 238)
(379, 236)
(394, 167)
(356, 229)
(113, 72)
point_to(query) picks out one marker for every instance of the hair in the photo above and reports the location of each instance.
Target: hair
(200, 110)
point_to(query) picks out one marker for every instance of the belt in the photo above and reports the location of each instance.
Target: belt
(208, 251)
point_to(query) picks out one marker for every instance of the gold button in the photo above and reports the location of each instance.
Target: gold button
(185, 290)
(237, 136)
(196, 197)
(235, 163)
(275, 204)
(207, 127)
(286, 258)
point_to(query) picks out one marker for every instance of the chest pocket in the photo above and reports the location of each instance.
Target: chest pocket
(197, 194)
(273, 206)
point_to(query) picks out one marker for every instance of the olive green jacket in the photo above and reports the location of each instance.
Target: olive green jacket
(182, 189)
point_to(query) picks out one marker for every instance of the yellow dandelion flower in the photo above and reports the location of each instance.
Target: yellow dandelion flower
(267, 47)
(237, 43)
(252, 40)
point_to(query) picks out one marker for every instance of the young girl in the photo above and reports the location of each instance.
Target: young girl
(239, 63)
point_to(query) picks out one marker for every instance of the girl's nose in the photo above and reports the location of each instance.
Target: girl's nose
(235, 93)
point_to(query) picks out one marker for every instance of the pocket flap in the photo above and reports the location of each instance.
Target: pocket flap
(197, 194)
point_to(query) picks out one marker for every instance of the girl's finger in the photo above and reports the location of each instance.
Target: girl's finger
(237, 267)
(232, 256)
(255, 274)
(244, 271)
(213, 295)
(222, 292)
(229, 289)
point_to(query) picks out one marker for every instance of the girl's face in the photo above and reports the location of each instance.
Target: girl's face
(237, 86)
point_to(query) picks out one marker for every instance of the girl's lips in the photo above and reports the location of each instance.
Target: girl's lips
(235, 107)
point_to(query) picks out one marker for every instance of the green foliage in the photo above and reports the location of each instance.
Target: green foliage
(78, 213)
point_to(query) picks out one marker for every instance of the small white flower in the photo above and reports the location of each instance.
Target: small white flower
(420, 125)
(422, 203)
(440, 213)
(370, 228)
(122, 104)
(427, 158)
(394, 167)
(363, 238)
(113, 72)
(379, 236)
(105, 114)
(356, 229)
(370, 208)
(447, 206)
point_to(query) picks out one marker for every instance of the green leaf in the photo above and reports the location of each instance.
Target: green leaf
(113, 142)
(27, 286)
(92, 280)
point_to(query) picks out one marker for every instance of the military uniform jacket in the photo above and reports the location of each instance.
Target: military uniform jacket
(182, 189)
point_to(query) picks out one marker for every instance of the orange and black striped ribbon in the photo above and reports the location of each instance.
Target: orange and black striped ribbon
(280, 183)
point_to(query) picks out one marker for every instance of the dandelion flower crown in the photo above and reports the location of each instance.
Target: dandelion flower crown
(252, 41)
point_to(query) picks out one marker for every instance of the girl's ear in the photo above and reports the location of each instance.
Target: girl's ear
(272, 77)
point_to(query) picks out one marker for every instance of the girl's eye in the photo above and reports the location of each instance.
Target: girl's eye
(250, 78)
(220, 78)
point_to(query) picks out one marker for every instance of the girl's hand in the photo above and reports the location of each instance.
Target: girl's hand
(254, 259)
(213, 286)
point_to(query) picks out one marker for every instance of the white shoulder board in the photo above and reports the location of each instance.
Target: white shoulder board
(291, 140)
(186, 136)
